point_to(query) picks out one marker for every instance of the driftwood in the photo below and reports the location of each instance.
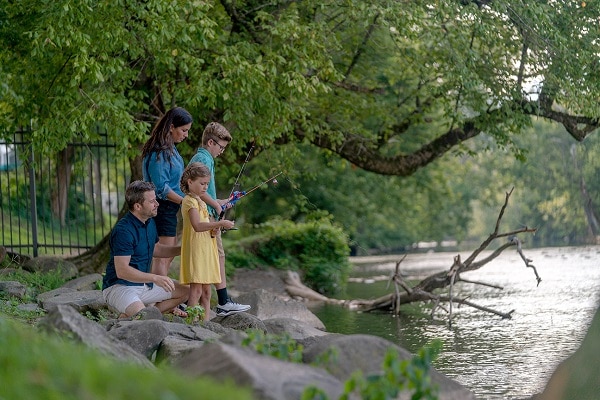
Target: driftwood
(432, 287)
(295, 288)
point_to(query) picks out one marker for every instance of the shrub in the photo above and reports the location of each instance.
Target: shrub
(318, 249)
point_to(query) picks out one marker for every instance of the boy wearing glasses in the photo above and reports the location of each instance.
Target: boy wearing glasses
(215, 139)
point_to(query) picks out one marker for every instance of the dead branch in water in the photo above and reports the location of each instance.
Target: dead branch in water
(428, 289)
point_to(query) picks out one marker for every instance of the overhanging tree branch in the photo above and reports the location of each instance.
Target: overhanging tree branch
(578, 126)
(362, 152)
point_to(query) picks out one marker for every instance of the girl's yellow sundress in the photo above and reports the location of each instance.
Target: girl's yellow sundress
(199, 257)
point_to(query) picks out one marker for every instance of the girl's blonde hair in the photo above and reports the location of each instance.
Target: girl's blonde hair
(192, 171)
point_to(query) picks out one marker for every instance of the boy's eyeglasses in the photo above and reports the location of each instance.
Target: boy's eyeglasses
(220, 147)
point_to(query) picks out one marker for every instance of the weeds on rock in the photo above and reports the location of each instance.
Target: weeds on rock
(282, 347)
(396, 376)
(195, 314)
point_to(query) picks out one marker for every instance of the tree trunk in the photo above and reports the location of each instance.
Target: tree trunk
(60, 193)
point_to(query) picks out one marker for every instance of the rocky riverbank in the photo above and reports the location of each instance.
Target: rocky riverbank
(215, 348)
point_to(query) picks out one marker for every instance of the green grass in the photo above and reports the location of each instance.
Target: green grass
(37, 365)
(34, 365)
(36, 283)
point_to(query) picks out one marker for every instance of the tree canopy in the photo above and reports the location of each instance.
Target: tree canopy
(388, 85)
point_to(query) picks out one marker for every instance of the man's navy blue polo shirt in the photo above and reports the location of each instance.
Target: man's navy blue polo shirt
(131, 237)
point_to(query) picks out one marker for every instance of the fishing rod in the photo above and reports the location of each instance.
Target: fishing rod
(241, 169)
(236, 195)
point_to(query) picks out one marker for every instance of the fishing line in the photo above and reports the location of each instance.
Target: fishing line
(242, 169)
(237, 178)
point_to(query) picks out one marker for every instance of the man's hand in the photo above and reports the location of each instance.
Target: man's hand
(164, 282)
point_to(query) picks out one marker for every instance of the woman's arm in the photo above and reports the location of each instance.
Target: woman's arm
(158, 171)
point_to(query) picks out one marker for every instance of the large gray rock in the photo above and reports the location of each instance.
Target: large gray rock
(64, 318)
(142, 336)
(42, 297)
(86, 282)
(271, 280)
(266, 305)
(173, 349)
(13, 288)
(241, 321)
(366, 353)
(269, 378)
(181, 342)
(46, 264)
(297, 330)
(87, 300)
(130, 328)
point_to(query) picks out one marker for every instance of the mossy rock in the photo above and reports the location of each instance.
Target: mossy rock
(45, 264)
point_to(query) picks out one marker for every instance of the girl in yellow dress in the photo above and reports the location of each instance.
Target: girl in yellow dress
(199, 265)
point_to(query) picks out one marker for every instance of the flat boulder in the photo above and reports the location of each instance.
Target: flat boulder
(65, 318)
(86, 282)
(266, 305)
(87, 300)
(142, 336)
(295, 329)
(240, 322)
(268, 377)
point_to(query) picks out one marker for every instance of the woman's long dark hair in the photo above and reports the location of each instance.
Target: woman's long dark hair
(161, 140)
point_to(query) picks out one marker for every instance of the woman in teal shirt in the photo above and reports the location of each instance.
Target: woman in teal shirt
(163, 166)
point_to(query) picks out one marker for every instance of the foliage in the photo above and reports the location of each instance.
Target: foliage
(17, 202)
(100, 315)
(396, 376)
(386, 87)
(282, 347)
(195, 313)
(38, 282)
(554, 186)
(42, 366)
(10, 307)
(390, 86)
(378, 213)
(317, 248)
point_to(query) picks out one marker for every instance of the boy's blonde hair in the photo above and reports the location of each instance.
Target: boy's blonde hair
(216, 132)
(192, 171)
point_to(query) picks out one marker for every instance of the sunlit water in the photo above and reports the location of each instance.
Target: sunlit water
(495, 358)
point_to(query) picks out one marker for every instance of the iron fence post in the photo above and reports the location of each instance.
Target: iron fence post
(33, 202)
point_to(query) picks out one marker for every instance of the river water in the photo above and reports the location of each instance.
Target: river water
(493, 357)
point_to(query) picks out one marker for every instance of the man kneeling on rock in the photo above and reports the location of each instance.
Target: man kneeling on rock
(128, 285)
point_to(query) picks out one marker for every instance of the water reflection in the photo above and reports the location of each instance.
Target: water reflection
(495, 358)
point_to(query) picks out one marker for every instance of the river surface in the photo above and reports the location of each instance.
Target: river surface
(493, 357)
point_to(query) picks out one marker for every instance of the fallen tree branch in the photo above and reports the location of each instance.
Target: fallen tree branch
(425, 290)
(481, 283)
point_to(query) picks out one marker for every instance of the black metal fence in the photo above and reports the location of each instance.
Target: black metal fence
(62, 204)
